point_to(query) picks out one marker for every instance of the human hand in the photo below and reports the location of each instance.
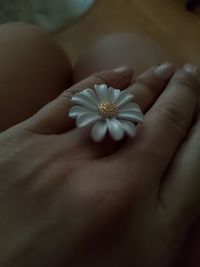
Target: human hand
(187, 165)
(68, 201)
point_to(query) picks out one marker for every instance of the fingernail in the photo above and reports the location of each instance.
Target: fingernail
(192, 69)
(165, 70)
(122, 69)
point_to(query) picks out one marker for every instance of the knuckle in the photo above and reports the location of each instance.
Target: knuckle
(68, 94)
(152, 82)
(100, 77)
(175, 115)
(186, 80)
(110, 196)
(95, 78)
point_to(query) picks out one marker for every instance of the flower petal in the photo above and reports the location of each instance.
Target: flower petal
(129, 127)
(102, 92)
(83, 100)
(113, 94)
(123, 99)
(115, 129)
(99, 131)
(130, 106)
(132, 115)
(91, 95)
(87, 119)
(77, 111)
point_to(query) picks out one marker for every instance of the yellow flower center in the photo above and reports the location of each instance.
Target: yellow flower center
(107, 109)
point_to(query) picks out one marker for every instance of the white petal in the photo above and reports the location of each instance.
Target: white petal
(132, 115)
(91, 95)
(130, 106)
(83, 100)
(102, 92)
(99, 131)
(129, 127)
(123, 99)
(77, 111)
(113, 94)
(115, 129)
(87, 119)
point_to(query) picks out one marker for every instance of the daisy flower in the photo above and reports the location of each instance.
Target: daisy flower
(106, 110)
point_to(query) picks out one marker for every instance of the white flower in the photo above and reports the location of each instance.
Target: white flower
(106, 109)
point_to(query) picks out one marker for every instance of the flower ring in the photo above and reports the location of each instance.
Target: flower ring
(106, 110)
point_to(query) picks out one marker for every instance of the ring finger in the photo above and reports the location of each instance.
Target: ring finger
(146, 90)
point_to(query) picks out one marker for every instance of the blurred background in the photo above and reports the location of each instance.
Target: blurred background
(166, 21)
(49, 14)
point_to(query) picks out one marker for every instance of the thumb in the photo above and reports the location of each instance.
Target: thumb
(53, 118)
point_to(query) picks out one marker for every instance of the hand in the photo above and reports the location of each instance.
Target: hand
(187, 165)
(65, 201)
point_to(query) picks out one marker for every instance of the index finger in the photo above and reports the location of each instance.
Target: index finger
(53, 118)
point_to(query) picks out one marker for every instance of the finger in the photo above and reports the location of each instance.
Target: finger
(180, 191)
(146, 90)
(150, 84)
(165, 126)
(53, 118)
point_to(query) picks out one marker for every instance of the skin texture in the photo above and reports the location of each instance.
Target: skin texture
(67, 201)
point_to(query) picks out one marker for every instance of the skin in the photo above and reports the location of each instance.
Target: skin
(140, 52)
(68, 202)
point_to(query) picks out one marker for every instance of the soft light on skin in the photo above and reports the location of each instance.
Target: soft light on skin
(107, 109)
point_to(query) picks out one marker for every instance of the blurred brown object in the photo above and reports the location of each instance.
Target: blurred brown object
(167, 22)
